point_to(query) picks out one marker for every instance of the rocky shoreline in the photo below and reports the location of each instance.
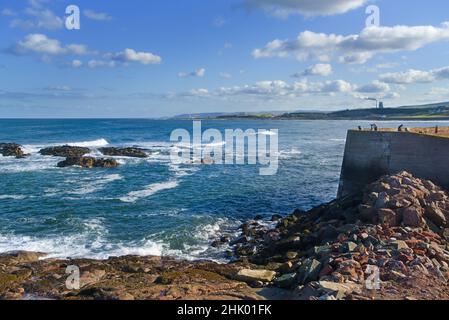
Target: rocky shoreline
(76, 156)
(390, 241)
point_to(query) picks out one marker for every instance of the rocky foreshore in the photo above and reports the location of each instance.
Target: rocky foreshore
(390, 241)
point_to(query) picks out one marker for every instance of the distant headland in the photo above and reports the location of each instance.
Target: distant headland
(428, 112)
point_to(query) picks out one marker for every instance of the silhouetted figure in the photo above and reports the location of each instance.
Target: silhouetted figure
(360, 128)
(436, 130)
(406, 130)
(374, 127)
(400, 128)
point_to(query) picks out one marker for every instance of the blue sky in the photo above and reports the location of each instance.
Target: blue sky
(142, 58)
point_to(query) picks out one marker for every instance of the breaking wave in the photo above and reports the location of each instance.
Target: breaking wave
(149, 191)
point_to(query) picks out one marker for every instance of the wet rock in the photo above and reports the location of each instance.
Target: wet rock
(413, 217)
(338, 290)
(399, 245)
(88, 162)
(221, 242)
(124, 152)
(239, 240)
(366, 212)
(65, 151)
(248, 275)
(91, 277)
(12, 150)
(388, 217)
(17, 257)
(291, 255)
(309, 271)
(326, 271)
(434, 214)
(351, 269)
(349, 246)
(276, 217)
(285, 281)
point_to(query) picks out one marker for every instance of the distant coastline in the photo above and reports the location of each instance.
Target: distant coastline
(431, 112)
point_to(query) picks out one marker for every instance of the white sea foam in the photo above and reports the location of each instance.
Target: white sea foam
(338, 140)
(86, 245)
(34, 163)
(267, 133)
(94, 184)
(93, 143)
(292, 153)
(149, 191)
(12, 197)
(94, 243)
(182, 170)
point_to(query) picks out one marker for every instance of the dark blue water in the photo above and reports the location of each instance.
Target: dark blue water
(152, 206)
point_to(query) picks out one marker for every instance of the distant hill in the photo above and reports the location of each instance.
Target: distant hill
(224, 115)
(434, 111)
(427, 106)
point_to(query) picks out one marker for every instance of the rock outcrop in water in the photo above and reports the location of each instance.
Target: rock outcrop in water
(65, 151)
(88, 162)
(124, 152)
(390, 241)
(12, 150)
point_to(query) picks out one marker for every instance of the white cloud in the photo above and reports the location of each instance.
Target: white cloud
(41, 44)
(284, 8)
(374, 87)
(355, 48)
(278, 89)
(219, 22)
(100, 63)
(197, 73)
(320, 69)
(416, 76)
(76, 63)
(387, 65)
(39, 19)
(438, 92)
(199, 92)
(408, 77)
(59, 88)
(77, 49)
(225, 75)
(98, 16)
(8, 12)
(130, 55)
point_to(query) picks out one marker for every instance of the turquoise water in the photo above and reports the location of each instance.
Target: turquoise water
(152, 206)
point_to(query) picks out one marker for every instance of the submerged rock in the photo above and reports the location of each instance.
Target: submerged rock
(88, 162)
(12, 150)
(65, 151)
(124, 152)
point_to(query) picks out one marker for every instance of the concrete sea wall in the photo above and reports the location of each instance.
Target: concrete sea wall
(371, 154)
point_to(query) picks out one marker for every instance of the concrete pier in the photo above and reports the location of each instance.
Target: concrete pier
(424, 152)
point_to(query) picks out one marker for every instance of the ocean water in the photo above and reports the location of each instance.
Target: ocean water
(152, 206)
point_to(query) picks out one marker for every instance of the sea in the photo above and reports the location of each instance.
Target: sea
(155, 206)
